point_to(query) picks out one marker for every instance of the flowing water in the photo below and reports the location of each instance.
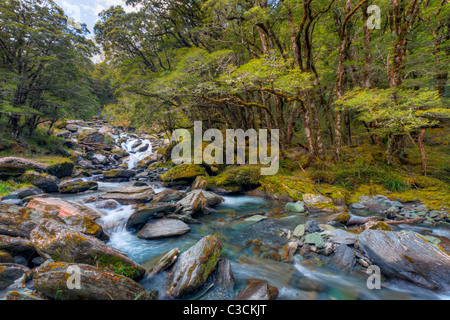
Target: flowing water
(296, 280)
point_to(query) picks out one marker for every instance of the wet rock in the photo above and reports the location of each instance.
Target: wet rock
(312, 226)
(23, 193)
(344, 257)
(200, 183)
(407, 257)
(77, 186)
(72, 127)
(10, 273)
(314, 239)
(107, 204)
(295, 207)
(259, 291)
(193, 267)
(168, 196)
(43, 181)
(162, 262)
(299, 231)
(342, 237)
(52, 279)
(129, 195)
(64, 207)
(15, 167)
(313, 200)
(63, 243)
(143, 214)
(163, 228)
(224, 275)
(198, 200)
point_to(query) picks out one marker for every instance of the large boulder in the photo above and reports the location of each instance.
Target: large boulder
(77, 186)
(62, 243)
(183, 174)
(198, 200)
(23, 193)
(91, 137)
(43, 181)
(10, 273)
(52, 279)
(16, 246)
(61, 168)
(64, 207)
(259, 291)
(408, 257)
(129, 195)
(144, 213)
(163, 228)
(15, 167)
(118, 175)
(193, 267)
(17, 221)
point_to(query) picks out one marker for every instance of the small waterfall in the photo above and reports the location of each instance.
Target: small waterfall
(133, 146)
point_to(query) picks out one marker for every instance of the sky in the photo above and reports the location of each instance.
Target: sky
(86, 11)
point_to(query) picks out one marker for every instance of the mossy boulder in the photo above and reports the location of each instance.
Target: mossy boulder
(61, 167)
(15, 167)
(183, 174)
(342, 217)
(43, 181)
(64, 244)
(77, 186)
(91, 137)
(193, 267)
(86, 226)
(236, 179)
(51, 279)
(118, 174)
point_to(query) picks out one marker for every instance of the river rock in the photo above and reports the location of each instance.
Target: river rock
(64, 207)
(168, 196)
(118, 173)
(91, 137)
(52, 280)
(129, 195)
(77, 186)
(163, 228)
(224, 275)
(86, 226)
(344, 257)
(15, 167)
(61, 168)
(313, 200)
(312, 226)
(406, 256)
(16, 246)
(161, 262)
(297, 207)
(43, 181)
(192, 203)
(184, 173)
(23, 193)
(340, 236)
(142, 214)
(200, 183)
(193, 267)
(315, 239)
(17, 221)
(64, 244)
(259, 291)
(10, 273)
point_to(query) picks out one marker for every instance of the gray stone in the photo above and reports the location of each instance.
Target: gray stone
(312, 226)
(163, 228)
(405, 256)
(295, 207)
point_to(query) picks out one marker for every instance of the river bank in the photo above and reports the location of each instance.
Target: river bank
(127, 219)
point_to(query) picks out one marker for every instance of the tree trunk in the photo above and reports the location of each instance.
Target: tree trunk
(423, 155)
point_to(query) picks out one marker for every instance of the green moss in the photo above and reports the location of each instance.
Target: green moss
(9, 186)
(380, 225)
(342, 217)
(183, 172)
(245, 176)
